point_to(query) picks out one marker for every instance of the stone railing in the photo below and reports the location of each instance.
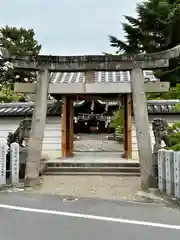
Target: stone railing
(169, 172)
(9, 164)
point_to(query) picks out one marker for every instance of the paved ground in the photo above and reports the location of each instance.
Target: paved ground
(96, 146)
(42, 217)
(104, 187)
(96, 142)
(96, 157)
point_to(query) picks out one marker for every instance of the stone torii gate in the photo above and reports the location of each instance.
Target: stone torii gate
(89, 64)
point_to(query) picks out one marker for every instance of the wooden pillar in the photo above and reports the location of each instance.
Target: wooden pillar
(127, 126)
(67, 127)
(35, 142)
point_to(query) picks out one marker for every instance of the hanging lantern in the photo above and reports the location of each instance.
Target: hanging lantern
(57, 106)
(106, 107)
(75, 119)
(106, 123)
(92, 105)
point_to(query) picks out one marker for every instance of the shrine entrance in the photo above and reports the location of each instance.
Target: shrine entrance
(90, 130)
(92, 116)
(90, 126)
(96, 142)
(94, 77)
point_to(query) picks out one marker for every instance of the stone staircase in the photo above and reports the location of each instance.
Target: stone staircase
(92, 168)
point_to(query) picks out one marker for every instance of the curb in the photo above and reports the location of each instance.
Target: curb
(171, 200)
(151, 196)
(12, 187)
(157, 197)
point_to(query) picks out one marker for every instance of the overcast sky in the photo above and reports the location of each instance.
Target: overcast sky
(69, 27)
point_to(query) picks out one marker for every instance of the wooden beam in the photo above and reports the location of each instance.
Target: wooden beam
(127, 126)
(63, 126)
(71, 126)
(67, 127)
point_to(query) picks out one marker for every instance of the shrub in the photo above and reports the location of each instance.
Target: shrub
(8, 95)
(119, 133)
(174, 137)
(117, 122)
(117, 119)
(176, 108)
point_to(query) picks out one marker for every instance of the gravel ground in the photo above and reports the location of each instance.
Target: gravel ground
(103, 187)
(96, 142)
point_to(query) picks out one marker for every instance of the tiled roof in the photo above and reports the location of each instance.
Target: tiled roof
(113, 77)
(23, 109)
(161, 106)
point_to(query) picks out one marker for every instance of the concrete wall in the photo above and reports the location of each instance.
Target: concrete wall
(52, 136)
(134, 140)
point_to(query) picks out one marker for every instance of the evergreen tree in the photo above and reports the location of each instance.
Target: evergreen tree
(154, 29)
(18, 42)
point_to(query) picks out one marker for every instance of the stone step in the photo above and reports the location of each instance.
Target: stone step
(125, 174)
(101, 164)
(94, 169)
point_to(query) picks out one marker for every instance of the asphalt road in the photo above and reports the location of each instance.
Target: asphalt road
(42, 217)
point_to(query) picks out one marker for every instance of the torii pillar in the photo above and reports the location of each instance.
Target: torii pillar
(67, 125)
(127, 126)
(37, 129)
(142, 129)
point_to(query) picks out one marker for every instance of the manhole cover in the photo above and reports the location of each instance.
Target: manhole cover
(70, 199)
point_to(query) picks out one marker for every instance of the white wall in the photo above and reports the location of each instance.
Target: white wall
(134, 140)
(52, 135)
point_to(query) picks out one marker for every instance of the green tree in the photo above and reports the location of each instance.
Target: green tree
(18, 42)
(174, 93)
(8, 95)
(117, 122)
(153, 30)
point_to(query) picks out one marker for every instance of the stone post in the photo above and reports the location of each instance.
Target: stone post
(142, 129)
(3, 153)
(37, 130)
(14, 159)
